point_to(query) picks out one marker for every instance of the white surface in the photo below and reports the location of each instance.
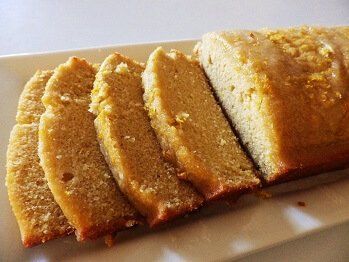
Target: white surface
(216, 232)
(36, 26)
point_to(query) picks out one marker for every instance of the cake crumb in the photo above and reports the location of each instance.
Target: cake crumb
(122, 68)
(263, 194)
(65, 98)
(131, 223)
(181, 117)
(130, 138)
(110, 240)
(301, 203)
(222, 142)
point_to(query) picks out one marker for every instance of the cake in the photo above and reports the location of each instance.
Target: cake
(38, 215)
(74, 166)
(286, 93)
(192, 128)
(131, 147)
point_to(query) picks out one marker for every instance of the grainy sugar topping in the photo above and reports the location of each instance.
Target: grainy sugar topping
(286, 93)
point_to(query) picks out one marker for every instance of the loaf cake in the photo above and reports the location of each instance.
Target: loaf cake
(192, 127)
(130, 145)
(76, 171)
(286, 93)
(38, 215)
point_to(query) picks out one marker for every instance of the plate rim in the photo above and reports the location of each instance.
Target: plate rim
(92, 48)
(142, 45)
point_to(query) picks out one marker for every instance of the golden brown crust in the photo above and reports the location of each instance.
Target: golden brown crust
(212, 191)
(130, 145)
(76, 171)
(96, 231)
(31, 241)
(38, 215)
(315, 163)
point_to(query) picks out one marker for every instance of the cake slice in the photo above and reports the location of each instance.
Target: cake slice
(76, 171)
(38, 215)
(130, 145)
(286, 93)
(192, 127)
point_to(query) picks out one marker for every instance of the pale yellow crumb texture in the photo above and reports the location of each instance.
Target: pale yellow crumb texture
(131, 147)
(74, 165)
(192, 126)
(38, 215)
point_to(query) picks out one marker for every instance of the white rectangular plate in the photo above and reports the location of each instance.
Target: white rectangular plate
(216, 232)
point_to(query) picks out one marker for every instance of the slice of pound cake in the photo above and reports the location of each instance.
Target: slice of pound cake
(38, 215)
(192, 127)
(286, 93)
(131, 147)
(76, 171)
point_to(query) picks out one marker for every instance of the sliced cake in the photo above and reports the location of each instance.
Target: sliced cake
(38, 215)
(192, 127)
(76, 171)
(286, 93)
(131, 147)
